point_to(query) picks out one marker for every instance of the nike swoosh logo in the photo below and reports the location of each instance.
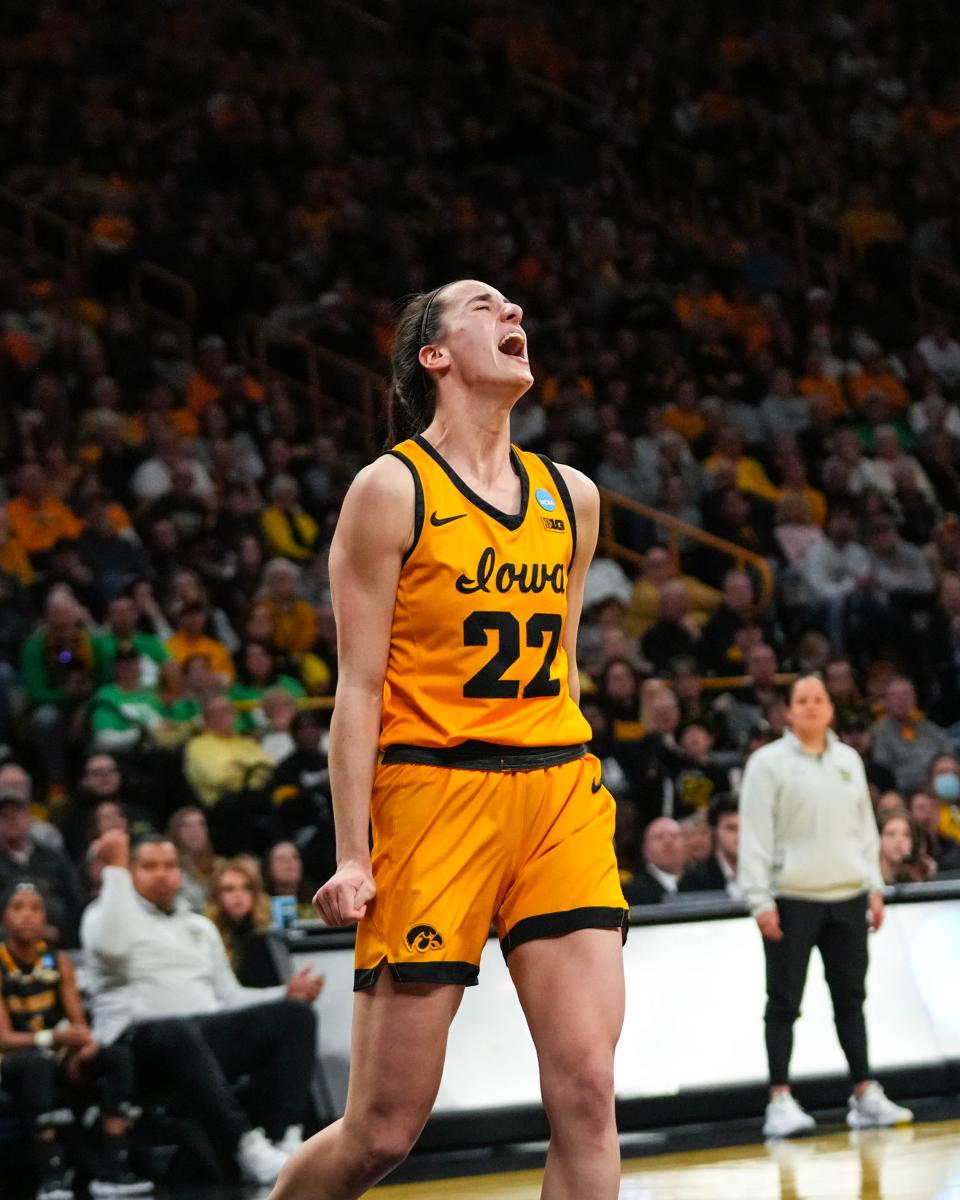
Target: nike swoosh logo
(596, 785)
(435, 520)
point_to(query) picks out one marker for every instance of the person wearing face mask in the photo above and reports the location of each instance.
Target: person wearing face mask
(943, 783)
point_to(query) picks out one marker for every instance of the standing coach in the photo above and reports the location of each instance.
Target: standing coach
(809, 866)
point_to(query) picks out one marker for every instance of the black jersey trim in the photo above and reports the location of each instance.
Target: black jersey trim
(418, 506)
(484, 756)
(463, 973)
(507, 520)
(565, 499)
(556, 924)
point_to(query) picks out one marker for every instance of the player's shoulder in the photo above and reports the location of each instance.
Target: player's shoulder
(387, 479)
(583, 492)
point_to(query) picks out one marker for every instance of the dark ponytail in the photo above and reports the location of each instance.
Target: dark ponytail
(413, 394)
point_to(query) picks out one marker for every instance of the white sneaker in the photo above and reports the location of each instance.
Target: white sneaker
(258, 1159)
(875, 1110)
(785, 1117)
(291, 1141)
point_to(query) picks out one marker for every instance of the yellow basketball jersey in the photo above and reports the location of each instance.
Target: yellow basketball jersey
(476, 649)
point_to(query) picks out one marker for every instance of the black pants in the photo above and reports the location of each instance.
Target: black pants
(199, 1057)
(37, 1081)
(839, 931)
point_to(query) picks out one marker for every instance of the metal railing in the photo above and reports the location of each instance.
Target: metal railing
(167, 298)
(676, 530)
(44, 233)
(326, 381)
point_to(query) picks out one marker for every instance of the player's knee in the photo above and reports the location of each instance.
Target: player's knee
(580, 1102)
(387, 1144)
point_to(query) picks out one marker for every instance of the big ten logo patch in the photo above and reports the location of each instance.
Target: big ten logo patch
(554, 524)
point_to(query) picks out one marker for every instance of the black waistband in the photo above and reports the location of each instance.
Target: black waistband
(484, 756)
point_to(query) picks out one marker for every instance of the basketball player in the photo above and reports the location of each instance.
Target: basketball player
(457, 571)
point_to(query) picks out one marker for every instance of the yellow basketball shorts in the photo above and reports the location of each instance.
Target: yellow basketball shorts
(456, 851)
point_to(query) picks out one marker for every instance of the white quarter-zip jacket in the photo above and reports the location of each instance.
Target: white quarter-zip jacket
(144, 963)
(807, 827)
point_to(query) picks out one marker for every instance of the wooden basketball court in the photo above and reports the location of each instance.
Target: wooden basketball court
(920, 1162)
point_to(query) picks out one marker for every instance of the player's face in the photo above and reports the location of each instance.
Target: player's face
(25, 917)
(483, 344)
(810, 709)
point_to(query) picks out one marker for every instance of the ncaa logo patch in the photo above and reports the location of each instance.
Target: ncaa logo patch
(423, 938)
(545, 500)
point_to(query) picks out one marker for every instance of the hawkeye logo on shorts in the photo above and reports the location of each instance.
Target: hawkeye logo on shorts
(423, 938)
(554, 524)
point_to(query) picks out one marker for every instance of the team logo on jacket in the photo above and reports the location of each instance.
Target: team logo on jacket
(423, 938)
(545, 500)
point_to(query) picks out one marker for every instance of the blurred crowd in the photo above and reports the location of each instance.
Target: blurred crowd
(166, 639)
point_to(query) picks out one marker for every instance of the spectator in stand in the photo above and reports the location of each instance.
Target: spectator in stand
(659, 568)
(717, 650)
(36, 518)
(288, 529)
(745, 709)
(621, 470)
(904, 740)
(240, 909)
(283, 876)
(701, 776)
(902, 857)
(747, 473)
(219, 760)
(845, 694)
(674, 634)
(695, 708)
(719, 872)
(945, 851)
(838, 573)
(664, 858)
(159, 973)
(618, 695)
(941, 353)
(696, 838)
(22, 858)
(122, 629)
(299, 790)
(181, 504)
(197, 684)
(279, 709)
(191, 639)
(259, 673)
(101, 782)
(154, 477)
(188, 831)
(58, 668)
(890, 459)
(784, 410)
(898, 569)
(124, 714)
(943, 782)
(293, 619)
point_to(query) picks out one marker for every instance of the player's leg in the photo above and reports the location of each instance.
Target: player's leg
(398, 1047)
(572, 993)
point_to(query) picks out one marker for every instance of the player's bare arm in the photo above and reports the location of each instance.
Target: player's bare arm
(374, 531)
(586, 506)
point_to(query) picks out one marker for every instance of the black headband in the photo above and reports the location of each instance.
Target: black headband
(426, 316)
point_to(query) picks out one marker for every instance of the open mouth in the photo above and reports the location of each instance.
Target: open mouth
(514, 345)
